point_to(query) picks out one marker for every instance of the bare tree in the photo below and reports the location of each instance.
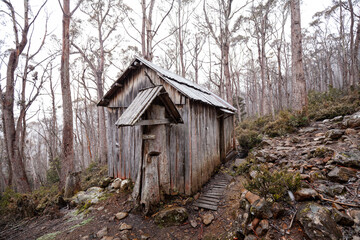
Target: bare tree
(67, 156)
(15, 130)
(299, 100)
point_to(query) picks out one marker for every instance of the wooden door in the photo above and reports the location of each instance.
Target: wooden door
(154, 176)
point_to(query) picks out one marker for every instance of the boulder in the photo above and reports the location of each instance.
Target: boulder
(352, 121)
(102, 233)
(334, 134)
(263, 227)
(125, 226)
(125, 184)
(116, 183)
(341, 174)
(171, 216)
(91, 196)
(348, 159)
(121, 215)
(261, 209)
(350, 131)
(251, 197)
(355, 214)
(342, 218)
(105, 182)
(334, 190)
(207, 218)
(305, 194)
(317, 222)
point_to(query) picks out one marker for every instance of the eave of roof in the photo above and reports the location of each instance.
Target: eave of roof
(184, 86)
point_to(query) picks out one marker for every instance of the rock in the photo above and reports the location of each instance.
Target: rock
(125, 185)
(261, 209)
(317, 222)
(103, 232)
(342, 218)
(355, 214)
(251, 197)
(352, 121)
(121, 215)
(341, 174)
(334, 134)
(333, 190)
(207, 218)
(307, 130)
(263, 227)
(337, 119)
(85, 237)
(125, 226)
(107, 238)
(145, 237)
(100, 208)
(105, 182)
(125, 235)
(316, 175)
(171, 216)
(193, 223)
(305, 194)
(91, 195)
(250, 237)
(239, 162)
(350, 131)
(116, 183)
(348, 159)
(277, 209)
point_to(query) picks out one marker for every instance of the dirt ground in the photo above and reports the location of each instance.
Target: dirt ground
(71, 226)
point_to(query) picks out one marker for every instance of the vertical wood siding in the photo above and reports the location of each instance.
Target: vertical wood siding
(193, 148)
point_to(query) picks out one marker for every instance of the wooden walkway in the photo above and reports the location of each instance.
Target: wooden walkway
(213, 193)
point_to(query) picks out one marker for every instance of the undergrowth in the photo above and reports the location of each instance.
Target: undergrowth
(322, 105)
(273, 185)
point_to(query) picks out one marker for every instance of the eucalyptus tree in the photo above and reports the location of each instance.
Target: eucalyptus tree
(96, 48)
(223, 20)
(299, 101)
(15, 128)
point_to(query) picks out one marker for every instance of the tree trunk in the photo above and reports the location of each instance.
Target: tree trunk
(300, 101)
(68, 156)
(12, 134)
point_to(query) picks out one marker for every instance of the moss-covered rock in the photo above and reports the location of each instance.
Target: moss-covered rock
(317, 222)
(171, 216)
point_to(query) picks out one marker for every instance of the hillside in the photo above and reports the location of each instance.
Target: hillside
(319, 164)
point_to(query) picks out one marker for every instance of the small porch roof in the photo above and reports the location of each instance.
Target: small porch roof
(142, 101)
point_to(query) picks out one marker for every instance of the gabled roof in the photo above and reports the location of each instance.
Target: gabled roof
(142, 101)
(183, 85)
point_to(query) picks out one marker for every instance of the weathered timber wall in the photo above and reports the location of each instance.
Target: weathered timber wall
(193, 148)
(229, 132)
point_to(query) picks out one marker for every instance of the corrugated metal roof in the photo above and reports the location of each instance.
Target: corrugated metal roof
(189, 88)
(142, 101)
(186, 87)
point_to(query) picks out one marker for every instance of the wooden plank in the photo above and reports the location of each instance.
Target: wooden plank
(211, 196)
(148, 137)
(152, 122)
(187, 138)
(207, 202)
(210, 199)
(206, 206)
(215, 194)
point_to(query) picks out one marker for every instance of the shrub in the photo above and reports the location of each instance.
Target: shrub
(273, 185)
(327, 105)
(52, 174)
(248, 139)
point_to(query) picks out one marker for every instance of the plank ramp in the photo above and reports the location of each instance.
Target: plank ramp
(213, 192)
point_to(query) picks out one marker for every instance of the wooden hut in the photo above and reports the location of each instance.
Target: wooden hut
(165, 132)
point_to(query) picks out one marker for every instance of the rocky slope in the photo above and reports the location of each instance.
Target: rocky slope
(327, 206)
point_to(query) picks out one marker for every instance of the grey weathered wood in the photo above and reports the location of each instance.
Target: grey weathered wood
(210, 199)
(153, 122)
(206, 202)
(148, 137)
(206, 206)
